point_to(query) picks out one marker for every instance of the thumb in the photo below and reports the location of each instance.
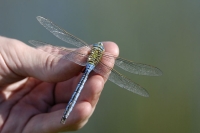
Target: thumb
(18, 61)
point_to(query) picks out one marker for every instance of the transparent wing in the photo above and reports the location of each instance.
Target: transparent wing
(78, 56)
(132, 67)
(127, 84)
(105, 69)
(137, 68)
(61, 33)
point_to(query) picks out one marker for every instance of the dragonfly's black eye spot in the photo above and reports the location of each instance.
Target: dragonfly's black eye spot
(100, 43)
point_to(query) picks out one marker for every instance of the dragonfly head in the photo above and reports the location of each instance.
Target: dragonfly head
(99, 45)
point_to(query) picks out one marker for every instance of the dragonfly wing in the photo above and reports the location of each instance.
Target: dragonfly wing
(68, 38)
(137, 68)
(104, 68)
(61, 33)
(125, 83)
(78, 56)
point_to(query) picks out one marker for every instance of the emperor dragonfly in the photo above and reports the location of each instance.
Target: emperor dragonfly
(94, 60)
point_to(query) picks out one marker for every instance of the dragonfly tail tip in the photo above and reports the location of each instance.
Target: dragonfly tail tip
(62, 121)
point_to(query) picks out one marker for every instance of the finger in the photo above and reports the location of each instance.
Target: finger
(50, 122)
(111, 48)
(19, 60)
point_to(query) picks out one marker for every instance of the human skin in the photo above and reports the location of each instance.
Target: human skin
(35, 88)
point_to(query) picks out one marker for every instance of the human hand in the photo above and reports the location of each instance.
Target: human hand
(35, 88)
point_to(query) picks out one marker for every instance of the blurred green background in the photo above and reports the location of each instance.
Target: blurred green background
(165, 34)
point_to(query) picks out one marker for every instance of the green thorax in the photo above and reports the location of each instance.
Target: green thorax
(96, 53)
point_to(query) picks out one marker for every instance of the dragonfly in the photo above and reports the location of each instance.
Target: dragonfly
(97, 60)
